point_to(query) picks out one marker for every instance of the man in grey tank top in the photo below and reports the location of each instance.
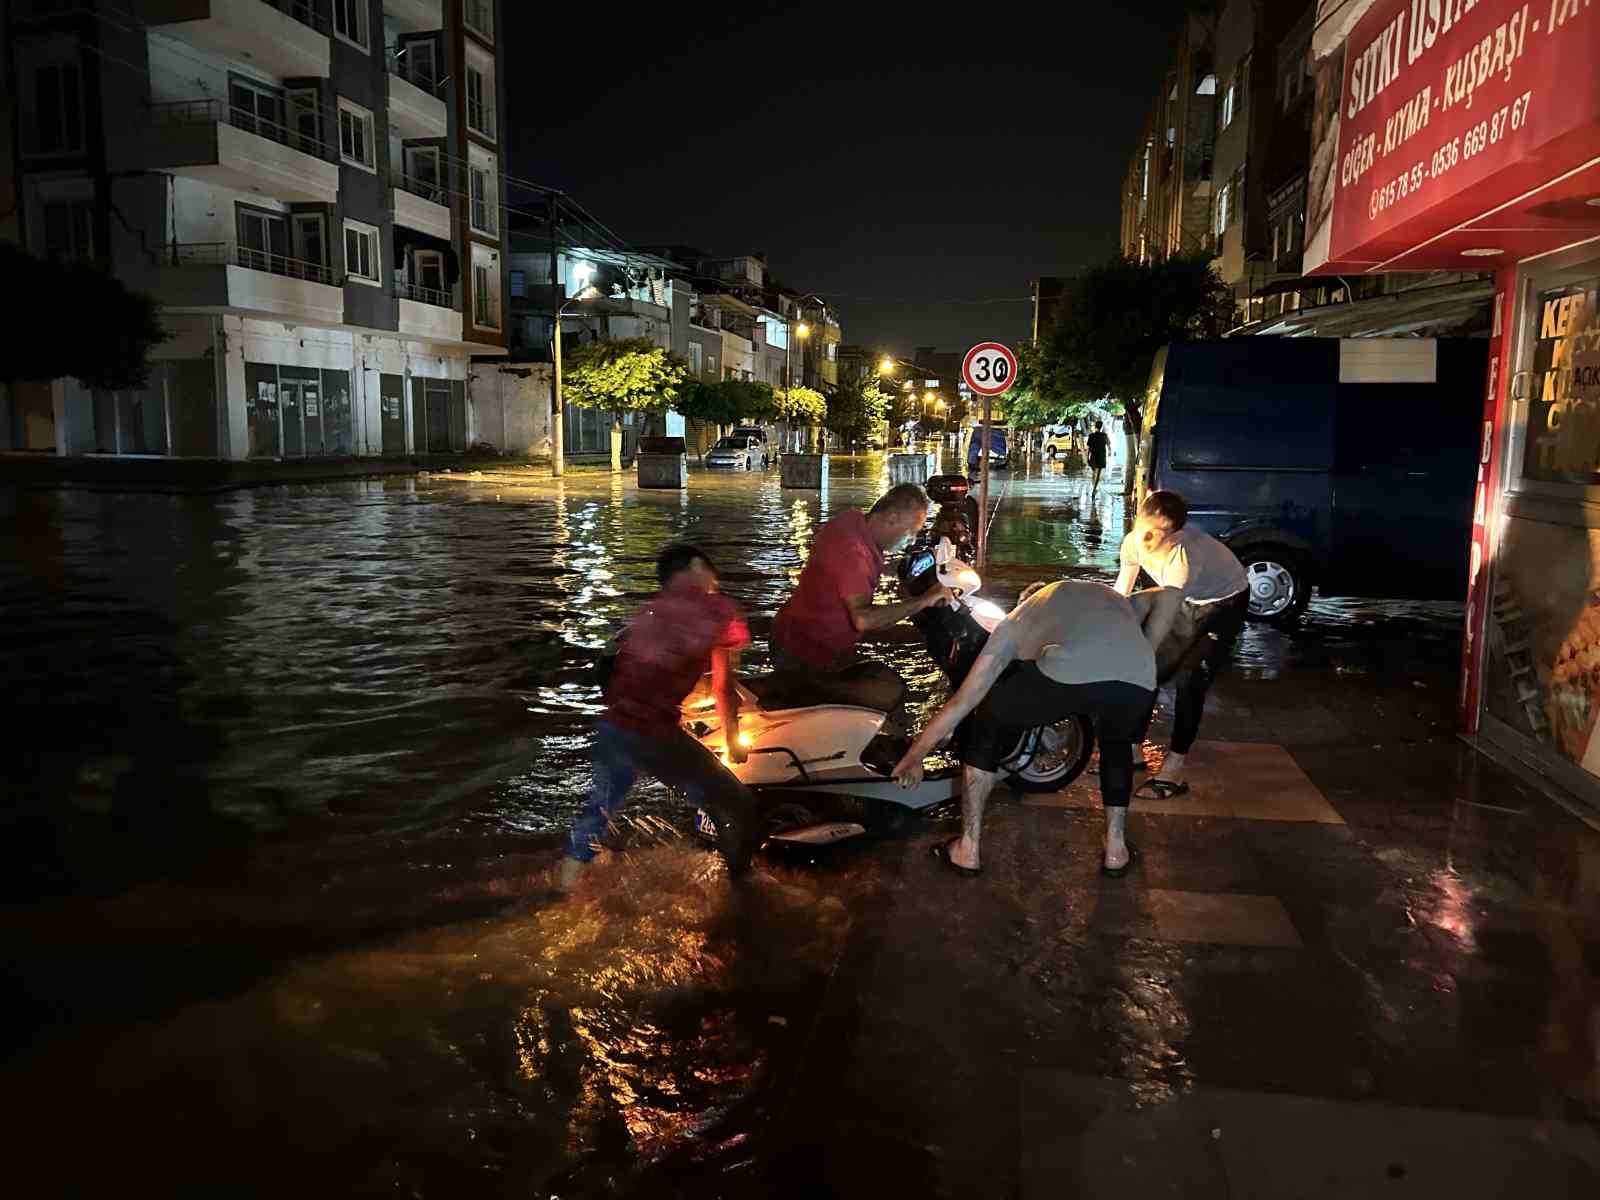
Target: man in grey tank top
(1067, 648)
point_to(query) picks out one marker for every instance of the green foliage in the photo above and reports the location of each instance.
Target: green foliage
(1111, 321)
(633, 374)
(799, 406)
(857, 410)
(42, 346)
(726, 402)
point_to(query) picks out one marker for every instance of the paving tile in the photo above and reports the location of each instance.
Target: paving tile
(1249, 780)
(1221, 918)
(1089, 1137)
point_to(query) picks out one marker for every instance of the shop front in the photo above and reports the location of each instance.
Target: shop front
(1457, 136)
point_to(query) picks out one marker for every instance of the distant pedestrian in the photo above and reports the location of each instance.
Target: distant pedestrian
(685, 630)
(1216, 599)
(1099, 447)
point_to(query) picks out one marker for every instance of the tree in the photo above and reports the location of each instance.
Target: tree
(856, 410)
(799, 406)
(628, 375)
(726, 402)
(1111, 321)
(42, 347)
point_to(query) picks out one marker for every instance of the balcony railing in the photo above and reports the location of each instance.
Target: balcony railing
(221, 254)
(206, 112)
(428, 189)
(434, 87)
(304, 11)
(423, 295)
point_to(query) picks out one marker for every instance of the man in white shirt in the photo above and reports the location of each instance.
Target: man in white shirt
(1216, 597)
(1068, 648)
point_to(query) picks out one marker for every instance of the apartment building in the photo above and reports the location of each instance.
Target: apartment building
(310, 189)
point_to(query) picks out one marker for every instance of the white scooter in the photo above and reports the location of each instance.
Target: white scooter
(821, 773)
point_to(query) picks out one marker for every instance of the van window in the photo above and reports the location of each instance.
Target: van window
(1218, 428)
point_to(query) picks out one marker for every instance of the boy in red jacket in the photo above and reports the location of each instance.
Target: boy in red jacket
(687, 628)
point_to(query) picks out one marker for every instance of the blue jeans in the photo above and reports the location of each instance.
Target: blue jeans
(677, 760)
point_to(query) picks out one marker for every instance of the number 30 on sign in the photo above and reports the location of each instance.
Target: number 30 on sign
(989, 368)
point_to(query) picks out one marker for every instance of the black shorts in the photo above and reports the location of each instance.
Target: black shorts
(1025, 697)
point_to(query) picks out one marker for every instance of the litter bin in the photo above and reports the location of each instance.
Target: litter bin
(803, 470)
(662, 462)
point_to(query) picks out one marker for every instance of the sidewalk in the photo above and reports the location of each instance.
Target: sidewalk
(1359, 959)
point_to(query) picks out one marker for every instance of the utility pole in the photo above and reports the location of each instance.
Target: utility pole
(558, 414)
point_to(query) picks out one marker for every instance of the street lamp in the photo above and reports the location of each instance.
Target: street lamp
(886, 366)
(558, 429)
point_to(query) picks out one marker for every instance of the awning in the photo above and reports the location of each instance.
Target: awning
(1452, 308)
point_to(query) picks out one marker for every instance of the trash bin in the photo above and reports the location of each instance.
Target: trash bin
(912, 468)
(662, 462)
(803, 470)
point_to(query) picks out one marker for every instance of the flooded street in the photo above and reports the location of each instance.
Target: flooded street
(288, 768)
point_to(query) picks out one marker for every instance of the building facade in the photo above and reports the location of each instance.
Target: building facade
(1166, 197)
(310, 189)
(1446, 138)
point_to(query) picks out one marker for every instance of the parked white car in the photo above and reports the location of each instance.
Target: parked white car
(741, 453)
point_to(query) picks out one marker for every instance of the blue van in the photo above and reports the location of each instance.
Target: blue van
(1348, 465)
(999, 447)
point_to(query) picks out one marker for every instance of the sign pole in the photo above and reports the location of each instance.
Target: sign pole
(983, 484)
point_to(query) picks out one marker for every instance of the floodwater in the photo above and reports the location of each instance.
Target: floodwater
(286, 767)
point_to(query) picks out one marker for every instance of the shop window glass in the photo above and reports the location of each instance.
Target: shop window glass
(1563, 442)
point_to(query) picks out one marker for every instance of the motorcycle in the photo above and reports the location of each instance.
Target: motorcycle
(821, 772)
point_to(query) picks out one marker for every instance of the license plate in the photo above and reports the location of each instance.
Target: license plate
(704, 825)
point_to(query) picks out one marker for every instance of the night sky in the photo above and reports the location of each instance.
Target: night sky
(916, 168)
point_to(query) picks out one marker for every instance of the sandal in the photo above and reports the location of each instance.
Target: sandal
(1119, 872)
(1160, 789)
(941, 851)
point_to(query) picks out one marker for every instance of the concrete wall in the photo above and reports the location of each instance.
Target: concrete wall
(508, 406)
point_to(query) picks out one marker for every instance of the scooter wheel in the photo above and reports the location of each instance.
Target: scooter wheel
(1051, 770)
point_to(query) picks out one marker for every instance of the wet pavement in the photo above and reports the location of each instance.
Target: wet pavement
(290, 767)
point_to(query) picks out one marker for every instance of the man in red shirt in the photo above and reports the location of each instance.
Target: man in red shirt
(665, 650)
(816, 631)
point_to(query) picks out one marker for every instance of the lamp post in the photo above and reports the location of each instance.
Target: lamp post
(796, 329)
(558, 429)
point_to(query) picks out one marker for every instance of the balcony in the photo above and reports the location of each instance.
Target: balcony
(427, 314)
(414, 16)
(421, 206)
(285, 38)
(217, 275)
(416, 105)
(232, 148)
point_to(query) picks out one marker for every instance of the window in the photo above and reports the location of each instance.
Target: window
(479, 15)
(263, 240)
(519, 283)
(427, 269)
(1225, 112)
(305, 120)
(256, 108)
(356, 144)
(310, 238)
(57, 126)
(422, 172)
(361, 262)
(350, 21)
(1220, 213)
(480, 95)
(485, 288)
(485, 200)
(419, 63)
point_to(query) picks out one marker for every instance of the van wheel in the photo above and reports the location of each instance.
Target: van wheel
(1280, 587)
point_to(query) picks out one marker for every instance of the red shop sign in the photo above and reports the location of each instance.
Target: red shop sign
(1451, 108)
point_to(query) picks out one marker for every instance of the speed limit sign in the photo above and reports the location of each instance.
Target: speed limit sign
(989, 368)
